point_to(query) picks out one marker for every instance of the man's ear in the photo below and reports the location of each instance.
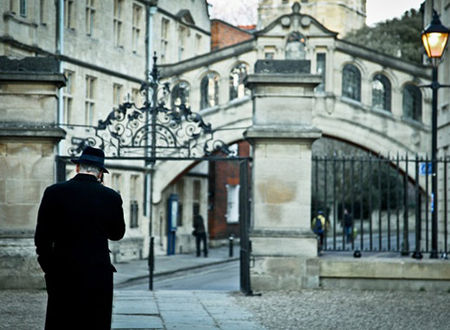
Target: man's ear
(77, 168)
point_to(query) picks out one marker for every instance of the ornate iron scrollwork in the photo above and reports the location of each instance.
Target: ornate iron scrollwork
(152, 131)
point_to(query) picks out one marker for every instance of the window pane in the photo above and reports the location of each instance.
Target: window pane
(321, 68)
(237, 76)
(381, 93)
(351, 82)
(209, 91)
(23, 8)
(412, 102)
(232, 203)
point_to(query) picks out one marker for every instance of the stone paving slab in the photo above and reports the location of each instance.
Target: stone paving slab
(164, 264)
(179, 310)
(127, 321)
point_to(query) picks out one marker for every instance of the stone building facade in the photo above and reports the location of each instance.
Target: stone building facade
(104, 49)
(101, 54)
(28, 141)
(340, 16)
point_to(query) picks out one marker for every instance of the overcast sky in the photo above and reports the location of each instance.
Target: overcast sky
(243, 12)
(381, 10)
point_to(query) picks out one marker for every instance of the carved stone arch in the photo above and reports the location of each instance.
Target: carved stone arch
(180, 93)
(389, 75)
(362, 68)
(237, 61)
(204, 71)
(358, 64)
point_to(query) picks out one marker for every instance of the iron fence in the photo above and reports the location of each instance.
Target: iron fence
(388, 199)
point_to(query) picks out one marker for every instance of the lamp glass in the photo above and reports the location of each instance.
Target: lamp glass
(434, 43)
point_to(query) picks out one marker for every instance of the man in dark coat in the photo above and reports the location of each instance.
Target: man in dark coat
(75, 220)
(200, 235)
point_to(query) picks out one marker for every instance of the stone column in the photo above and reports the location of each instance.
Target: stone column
(28, 136)
(284, 248)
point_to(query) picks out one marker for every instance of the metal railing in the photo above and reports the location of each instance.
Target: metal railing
(389, 201)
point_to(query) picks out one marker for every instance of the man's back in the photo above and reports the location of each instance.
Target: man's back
(76, 218)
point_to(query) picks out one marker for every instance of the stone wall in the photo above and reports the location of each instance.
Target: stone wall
(28, 138)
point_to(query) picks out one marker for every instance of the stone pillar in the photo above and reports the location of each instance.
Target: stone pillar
(284, 248)
(28, 136)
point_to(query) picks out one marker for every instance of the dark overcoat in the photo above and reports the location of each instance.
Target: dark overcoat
(75, 220)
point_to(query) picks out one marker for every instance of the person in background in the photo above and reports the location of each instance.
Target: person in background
(348, 226)
(200, 235)
(319, 226)
(75, 220)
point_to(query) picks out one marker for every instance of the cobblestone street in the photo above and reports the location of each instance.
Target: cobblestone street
(349, 309)
(307, 309)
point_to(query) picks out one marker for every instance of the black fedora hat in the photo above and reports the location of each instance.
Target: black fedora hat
(92, 156)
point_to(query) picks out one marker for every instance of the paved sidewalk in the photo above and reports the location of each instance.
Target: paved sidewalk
(164, 309)
(180, 310)
(164, 265)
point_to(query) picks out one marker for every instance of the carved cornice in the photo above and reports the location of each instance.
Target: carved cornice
(31, 130)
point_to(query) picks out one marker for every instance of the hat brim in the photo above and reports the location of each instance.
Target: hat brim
(76, 161)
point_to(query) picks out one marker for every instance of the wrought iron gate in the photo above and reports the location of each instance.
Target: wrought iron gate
(153, 132)
(389, 201)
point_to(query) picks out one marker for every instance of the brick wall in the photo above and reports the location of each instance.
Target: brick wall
(221, 174)
(224, 34)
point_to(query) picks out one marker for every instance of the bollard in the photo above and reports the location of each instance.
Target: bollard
(230, 241)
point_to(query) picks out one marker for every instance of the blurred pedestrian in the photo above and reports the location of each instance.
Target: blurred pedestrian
(75, 220)
(319, 226)
(348, 226)
(200, 235)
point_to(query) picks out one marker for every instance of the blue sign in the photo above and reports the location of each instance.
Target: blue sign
(432, 203)
(425, 168)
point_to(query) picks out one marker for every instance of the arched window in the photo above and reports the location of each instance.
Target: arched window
(381, 93)
(351, 82)
(237, 75)
(412, 102)
(295, 47)
(180, 94)
(209, 90)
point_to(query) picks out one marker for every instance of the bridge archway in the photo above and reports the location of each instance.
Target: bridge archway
(375, 131)
(154, 133)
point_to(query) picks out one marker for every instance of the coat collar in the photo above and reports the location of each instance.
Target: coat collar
(85, 177)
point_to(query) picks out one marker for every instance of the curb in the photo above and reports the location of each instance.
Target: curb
(175, 271)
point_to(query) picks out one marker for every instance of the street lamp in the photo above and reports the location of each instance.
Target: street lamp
(434, 39)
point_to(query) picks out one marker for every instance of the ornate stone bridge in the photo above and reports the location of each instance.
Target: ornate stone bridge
(367, 98)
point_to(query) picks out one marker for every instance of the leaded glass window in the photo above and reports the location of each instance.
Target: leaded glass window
(381, 93)
(180, 94)
(237, 76)
(209, 90)
(412, 102)
(351, 82)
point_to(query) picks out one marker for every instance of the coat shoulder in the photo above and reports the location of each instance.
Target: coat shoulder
(56, 187)
(111, 192)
